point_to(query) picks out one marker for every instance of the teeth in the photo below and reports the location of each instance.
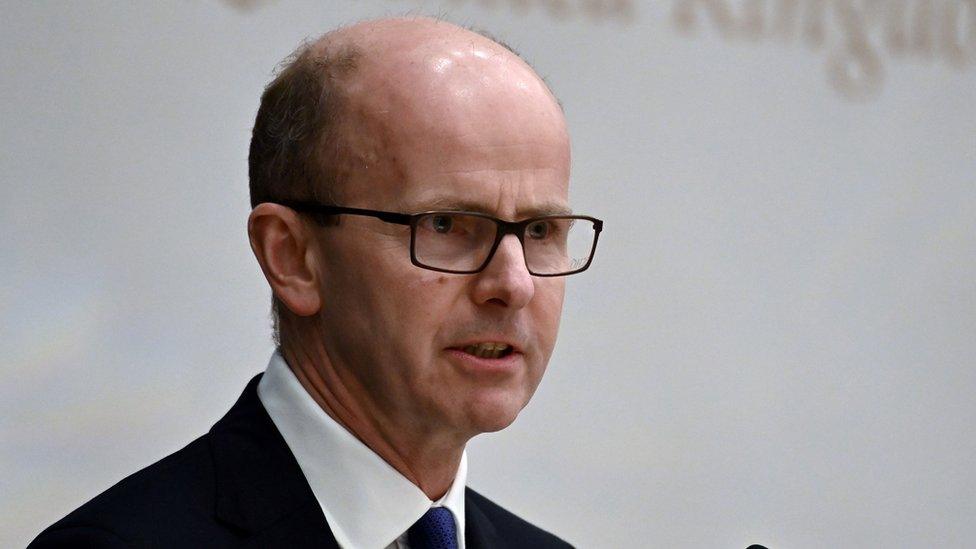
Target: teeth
(487, 350)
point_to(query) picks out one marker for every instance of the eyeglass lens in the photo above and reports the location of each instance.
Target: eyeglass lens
(462, 242)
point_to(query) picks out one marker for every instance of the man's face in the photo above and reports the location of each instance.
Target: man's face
(484, 135)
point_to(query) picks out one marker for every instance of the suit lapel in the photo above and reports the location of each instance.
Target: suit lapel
(296, 531)
(260, 487)
(479, 532)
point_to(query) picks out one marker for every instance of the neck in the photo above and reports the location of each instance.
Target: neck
(426, 458)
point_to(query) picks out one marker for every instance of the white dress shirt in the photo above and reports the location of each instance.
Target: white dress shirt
(368, 503)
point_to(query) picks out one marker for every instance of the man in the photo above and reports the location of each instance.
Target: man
(410, 188)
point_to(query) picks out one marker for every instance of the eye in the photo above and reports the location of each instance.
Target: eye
(442, 223)
(538, 230)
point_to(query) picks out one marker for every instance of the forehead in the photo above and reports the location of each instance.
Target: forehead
(495, 168)
(460, 122)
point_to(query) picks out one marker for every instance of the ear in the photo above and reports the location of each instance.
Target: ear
(284, 249)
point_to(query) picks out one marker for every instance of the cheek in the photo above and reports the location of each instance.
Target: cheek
(548, 302)
(425, 306)
(363, 302)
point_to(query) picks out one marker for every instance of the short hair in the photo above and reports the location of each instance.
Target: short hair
(295, 152)
(294, 144)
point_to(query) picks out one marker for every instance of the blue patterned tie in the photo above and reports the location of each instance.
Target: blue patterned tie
(434, 530)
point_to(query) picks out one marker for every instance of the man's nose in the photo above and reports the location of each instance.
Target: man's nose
(505, 280)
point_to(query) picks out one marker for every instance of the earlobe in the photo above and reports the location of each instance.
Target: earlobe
(282, 246)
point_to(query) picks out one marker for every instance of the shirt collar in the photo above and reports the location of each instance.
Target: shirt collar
(366, 501)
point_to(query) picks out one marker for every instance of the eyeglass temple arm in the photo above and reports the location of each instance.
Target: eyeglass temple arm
(389, 217)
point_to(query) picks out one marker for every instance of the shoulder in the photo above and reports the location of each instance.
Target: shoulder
(176, 492)
(512, 530)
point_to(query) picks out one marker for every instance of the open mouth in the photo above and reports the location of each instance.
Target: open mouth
(488, 350)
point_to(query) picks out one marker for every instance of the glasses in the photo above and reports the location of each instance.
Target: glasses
(464, 242)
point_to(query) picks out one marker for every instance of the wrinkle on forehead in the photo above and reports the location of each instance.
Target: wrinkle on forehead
(493, 170)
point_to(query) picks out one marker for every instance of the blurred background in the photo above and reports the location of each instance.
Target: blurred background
(776, 343)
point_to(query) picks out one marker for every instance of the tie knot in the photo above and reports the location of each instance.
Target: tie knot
(434, 530)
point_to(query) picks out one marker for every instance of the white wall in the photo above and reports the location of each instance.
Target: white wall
(775, 344)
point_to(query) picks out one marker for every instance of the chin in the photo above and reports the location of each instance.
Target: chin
(493, 412)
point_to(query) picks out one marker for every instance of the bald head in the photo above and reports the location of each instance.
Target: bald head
(432, 61)
(359, 82)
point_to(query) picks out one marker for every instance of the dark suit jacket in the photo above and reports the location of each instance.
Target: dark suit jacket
(240, 486)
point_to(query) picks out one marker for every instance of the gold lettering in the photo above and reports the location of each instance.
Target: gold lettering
(921, 42)
(684, 18)
(788, 20)
(855, 69)
(958, 33)
(623, 10)
(814, 28)
(751, 23)
(784, 18)
(557, 8)
(895, 25)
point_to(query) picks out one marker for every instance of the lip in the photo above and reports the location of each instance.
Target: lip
(486, 339)
(476, 364)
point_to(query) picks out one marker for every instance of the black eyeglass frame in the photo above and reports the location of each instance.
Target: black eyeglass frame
(503, 228)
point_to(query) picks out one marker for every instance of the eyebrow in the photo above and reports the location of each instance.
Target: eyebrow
(464, 205)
